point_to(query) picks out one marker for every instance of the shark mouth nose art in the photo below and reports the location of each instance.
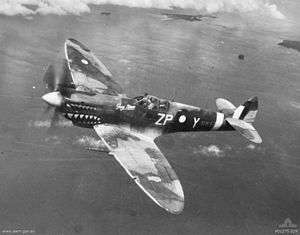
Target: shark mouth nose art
(83, 118)
(80, 106)
(82, 113)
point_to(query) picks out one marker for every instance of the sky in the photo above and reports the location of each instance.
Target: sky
(62, 7)
(231, 186)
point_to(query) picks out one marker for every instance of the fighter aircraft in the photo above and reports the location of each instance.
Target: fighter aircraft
(85, 93)
(187, 17)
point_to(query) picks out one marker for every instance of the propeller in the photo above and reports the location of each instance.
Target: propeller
(56, 77)
(55, 80)
(49, 78)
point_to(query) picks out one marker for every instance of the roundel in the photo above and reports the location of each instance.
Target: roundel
(84, 61)
(182, 119)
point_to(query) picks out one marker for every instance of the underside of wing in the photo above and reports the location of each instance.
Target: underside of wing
(87, 71)
(143, 161)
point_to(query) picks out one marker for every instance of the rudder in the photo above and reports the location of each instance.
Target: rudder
(242, 120)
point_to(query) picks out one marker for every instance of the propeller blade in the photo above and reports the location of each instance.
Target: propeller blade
(54, 121)
(56, 75)
(49, 78)
(55, 118)
(56, 79)
(63, 79)
(47, 109)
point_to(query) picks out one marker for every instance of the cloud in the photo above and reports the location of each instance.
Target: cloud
(124, 61)
(90, 142)
(62, 7)
(53, 139)
(257, 148)
(295, 104)
(14, 8)
(251, 146)
(272, 8)
(47, 123)
(211, 150)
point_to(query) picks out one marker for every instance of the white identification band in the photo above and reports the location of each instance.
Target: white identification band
(219, 121)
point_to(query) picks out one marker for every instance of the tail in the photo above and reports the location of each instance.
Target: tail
(247, 111)
(242, 117)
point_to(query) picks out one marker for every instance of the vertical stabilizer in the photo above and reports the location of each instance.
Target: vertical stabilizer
(247, 111)
(242, 120)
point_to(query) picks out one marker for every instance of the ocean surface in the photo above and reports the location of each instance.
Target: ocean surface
(53, 183)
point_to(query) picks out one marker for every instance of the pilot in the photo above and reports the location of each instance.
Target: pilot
(144, 102)
(152, 103)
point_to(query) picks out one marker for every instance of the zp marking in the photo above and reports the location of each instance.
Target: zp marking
(163, 119)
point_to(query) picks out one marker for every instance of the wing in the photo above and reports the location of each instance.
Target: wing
(144, 163)
(87, 71)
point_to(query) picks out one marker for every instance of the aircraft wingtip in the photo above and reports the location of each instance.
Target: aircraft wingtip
(178, 210)
(176, 204)
(72, 41)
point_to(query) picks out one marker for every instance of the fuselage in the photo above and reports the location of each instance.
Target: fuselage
(141, 113)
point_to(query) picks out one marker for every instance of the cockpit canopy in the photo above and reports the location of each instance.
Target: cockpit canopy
(152, 103)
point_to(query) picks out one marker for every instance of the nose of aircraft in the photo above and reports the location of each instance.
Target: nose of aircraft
(53, 98)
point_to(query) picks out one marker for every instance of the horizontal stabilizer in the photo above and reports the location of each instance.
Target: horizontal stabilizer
(245, 129)
(225, 106)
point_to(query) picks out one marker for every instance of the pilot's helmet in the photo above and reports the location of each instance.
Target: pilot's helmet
(153, 99)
